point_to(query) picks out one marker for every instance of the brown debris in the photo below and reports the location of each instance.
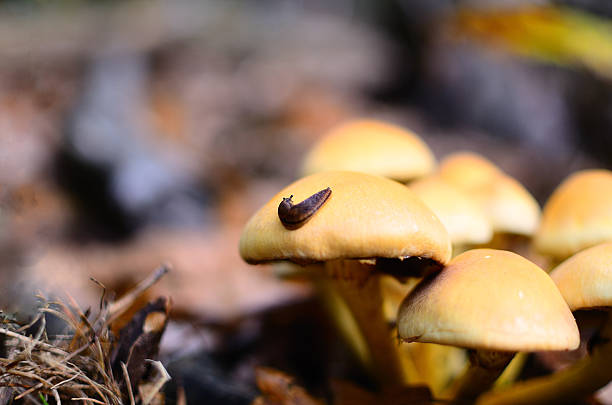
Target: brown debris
(76, 365)
(139, 341)
(346, 393)
(278, 388)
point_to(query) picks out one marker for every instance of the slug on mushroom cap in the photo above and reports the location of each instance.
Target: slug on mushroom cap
(365, 217)
(366, 226)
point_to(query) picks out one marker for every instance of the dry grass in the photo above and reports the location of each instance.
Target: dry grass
(72, 367)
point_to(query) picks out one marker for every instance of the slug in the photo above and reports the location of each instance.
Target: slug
(293, 216)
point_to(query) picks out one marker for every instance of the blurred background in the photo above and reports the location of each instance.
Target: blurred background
(139, 132)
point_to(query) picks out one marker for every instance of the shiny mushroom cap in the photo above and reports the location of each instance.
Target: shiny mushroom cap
(489, 299)
(372, 147)
(577, 215)
(585, 279)
(467, 170)
(508, 205)
(365, 217)
(459, 213)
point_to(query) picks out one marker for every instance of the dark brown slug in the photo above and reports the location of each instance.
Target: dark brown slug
(294, 216)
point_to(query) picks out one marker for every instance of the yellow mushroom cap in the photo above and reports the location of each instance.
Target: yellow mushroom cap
(372, 147)
(585, 279)
(365, 217)
(459, 213)
(467, 170)
(489, 299)
(577, 215)
(508, 205)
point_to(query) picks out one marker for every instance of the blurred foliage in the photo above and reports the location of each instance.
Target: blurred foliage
(553, 34)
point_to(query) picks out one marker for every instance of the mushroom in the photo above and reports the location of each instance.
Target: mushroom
(585, 281)
(468, 170)
(467, 226)
(577, 215)
(512, 210)
(372, 147)
(378, 148)
(460, 214)
(368, 225)
(510, 207)
(493, 302)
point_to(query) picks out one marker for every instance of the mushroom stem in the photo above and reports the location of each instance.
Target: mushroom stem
(512, 371)
(484, 368)
(359, 286)
(343, 320)
(438, 365)
(567, 386)
(333, 305)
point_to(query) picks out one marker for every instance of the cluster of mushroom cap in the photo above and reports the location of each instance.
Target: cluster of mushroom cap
(576, 225)
(509, 207)
(358, 226)
(585, 281)
(495, 302)
(367, 225)
(466, 188)
(499, 300)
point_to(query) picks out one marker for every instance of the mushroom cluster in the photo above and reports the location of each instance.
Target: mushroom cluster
(368, 226)
(428, 270)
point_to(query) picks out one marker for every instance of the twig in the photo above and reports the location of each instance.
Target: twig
(75, 353)
(29, 391)
(56, 396)
(31, 376)
(41, 329)
(28, 340)
(121, 305)
(79, 368)
(126, 376)
(79, 312)
(29, 325)
(65, 381)
(99, 284)
(88, 399)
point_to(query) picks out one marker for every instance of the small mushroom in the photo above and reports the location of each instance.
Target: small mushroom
(493, 302)
(509, 206)
(372, 147)
(378, 148)
(577, 215)
(369, 225)
(468, 226)
(459, 212)
(585, 281)
(468, 170)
